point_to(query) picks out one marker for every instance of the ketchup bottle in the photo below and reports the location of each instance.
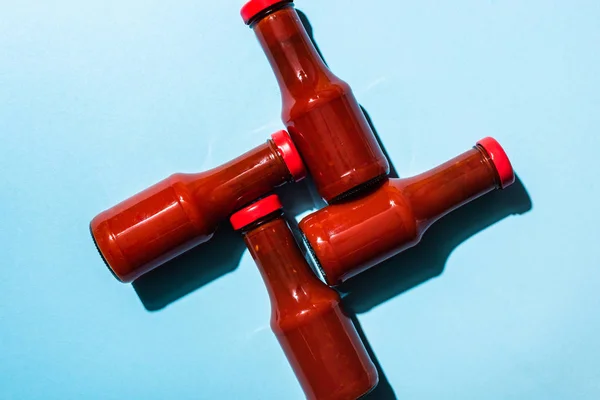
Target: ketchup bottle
(349, 238)
(318, 108)
(184, 210)
(319, 340)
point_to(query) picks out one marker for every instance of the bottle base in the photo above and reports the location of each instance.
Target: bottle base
(102, 255)
(358, 190)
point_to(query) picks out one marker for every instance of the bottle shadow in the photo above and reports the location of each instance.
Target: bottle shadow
(191, 270)
(309, 31)
(210, 261)
(393, 172)
(428, 259)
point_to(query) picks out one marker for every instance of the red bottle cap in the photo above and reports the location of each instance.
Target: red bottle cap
(253, 7)
(500, 160)
(290, 155)
(255, 211)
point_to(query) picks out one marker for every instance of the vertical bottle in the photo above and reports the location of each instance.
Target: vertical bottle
(319, 109)
(319, 340)
(348, 238)
(184, 210)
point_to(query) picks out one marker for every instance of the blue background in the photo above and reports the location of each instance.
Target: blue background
(100, 99)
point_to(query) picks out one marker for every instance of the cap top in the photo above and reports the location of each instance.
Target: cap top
(254, 7)
(255, 211)
(499, 160)
(289, 153)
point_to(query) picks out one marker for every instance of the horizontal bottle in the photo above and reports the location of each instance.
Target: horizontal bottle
(350, 237)
(319, 109)
(319, 340)
(184, 210)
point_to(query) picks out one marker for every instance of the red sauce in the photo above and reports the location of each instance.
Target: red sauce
(319, 109)
(349, 238)
(184, 210)
(319, 340)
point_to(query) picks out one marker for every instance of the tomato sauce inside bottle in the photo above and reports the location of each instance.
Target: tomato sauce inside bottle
(350, 237)
(184, 210)
(319, 340)
(319, 109)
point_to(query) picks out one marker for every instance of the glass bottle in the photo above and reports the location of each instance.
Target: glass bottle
(348, 238)
(184, 210)
(319, 110)
(318, 338)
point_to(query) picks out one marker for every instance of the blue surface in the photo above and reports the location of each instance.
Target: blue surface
(99, 99)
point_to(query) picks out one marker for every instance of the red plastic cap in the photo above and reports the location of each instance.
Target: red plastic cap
(253, 7)
(500, 161)
(290, 155)
(255, 211)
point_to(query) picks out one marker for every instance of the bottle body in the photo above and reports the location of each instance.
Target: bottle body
(319, 340)
(151, 228)
(319, 109)
(336, 365)
(349, 238)
(182, 211)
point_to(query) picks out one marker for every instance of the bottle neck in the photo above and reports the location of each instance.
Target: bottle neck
(296, 63)
(442, 189)
(287, 276)
(236, 183)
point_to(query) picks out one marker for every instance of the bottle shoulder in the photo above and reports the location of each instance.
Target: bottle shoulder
(324, 92)
(385, 206)
(305, 308)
